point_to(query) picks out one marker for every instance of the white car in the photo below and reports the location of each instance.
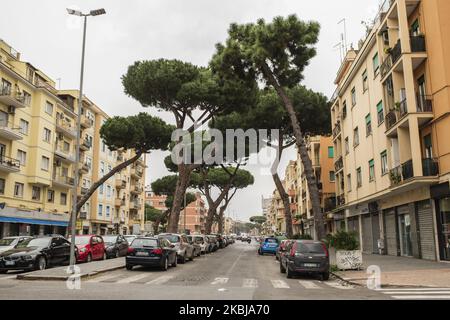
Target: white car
(201, 240)
(130, 238)
(10, 243)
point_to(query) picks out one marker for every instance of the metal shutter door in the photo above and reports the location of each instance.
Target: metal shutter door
(367, 244)
(375, 232)
(426, 229)
(390, 232)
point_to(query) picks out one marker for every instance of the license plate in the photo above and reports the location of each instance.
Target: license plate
(142, 254)
(9, 263)
(310, 265)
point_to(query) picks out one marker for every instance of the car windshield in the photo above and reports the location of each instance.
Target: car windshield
(110, 239)
(310, 248)
(199, 239)
(129, 238)
(81, 241)
(35, 242)
(144, 243)
(271, 240)
(6, 242)
(172, 238)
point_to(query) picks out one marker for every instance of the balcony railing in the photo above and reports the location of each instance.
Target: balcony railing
(396, 52)
(424, 103)
(402, 173)
(339, 164)
(8, 132)
(336, 130)
(391, 119)
(63, 180)
(340, 200)
(86, 122)
(418, 44)
(15, 99)
(403, 108)
(430, 167)
(121, 184)
(85, 144)
(9, 164)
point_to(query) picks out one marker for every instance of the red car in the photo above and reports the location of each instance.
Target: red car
(89, 248)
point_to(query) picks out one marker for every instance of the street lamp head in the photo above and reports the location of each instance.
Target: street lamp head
(74, 12)
(97, 12)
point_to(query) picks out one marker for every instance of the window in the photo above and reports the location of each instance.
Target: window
(384, 163)
(376, 65)
(380, 113)
(6, 88)
(330, 152)
(359, 177)
(353, 96)
(47, 135)
(415, 28)
(45, 163)
(428, 144)
(356, 137)
(36, 193)
(368, 125)
(50, 196)
(66, 146)
(18, 190)
(23, 126)
(108, 191)
(107, 211)
(371, 170)
(349, 182)
(63, 199)
(100, 190)
(347, 146)
(102, 169)
(365, 81)
(332, 176)
(22, 157)
(49, 108)
(100, 209)
(27, 98)
(2, 186)
(344, 110)
(103, 147)
(109, 168)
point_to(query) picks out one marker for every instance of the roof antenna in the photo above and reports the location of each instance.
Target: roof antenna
(344, 35)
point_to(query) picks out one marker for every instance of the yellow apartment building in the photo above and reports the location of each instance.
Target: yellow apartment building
(390, 118)
(321, 153)
(38, 130)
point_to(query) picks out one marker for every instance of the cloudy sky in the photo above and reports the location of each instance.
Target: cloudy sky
(151, 29)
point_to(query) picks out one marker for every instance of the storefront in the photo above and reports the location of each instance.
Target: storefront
(13, 226)
(441, 197)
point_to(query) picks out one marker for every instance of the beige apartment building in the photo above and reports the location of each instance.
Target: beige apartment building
(391, 121)
(321, 153)
(193, 218)
(38, 130)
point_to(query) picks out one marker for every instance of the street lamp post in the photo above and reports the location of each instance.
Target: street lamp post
(77, 148)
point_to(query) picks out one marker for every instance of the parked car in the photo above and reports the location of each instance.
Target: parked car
(199, 244)
(197, 248)
(151, 252)
(306, 257)
(220, 240)
(269, 245)
(116, 246)
(89, 248)
(214, 243)
(281, 249)
(185, 251)
(9, 243)
(131, 237)
(36, 254)
(203, 242)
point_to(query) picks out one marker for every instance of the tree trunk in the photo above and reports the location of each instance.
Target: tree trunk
(212, 210)
(184, 174)
(301, 146)
(221, 221)
(286, 204)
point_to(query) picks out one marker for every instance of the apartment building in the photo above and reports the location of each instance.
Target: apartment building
(321, 153)
(193, 218)
(155, 201)
(38, 131)
(390, 122)
(290, 186)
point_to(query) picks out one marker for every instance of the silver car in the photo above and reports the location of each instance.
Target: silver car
(9, 243)
(185, 250)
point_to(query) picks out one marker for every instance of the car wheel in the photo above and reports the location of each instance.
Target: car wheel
(129, 266)
(289, 273)
(89, 258)
(165, 265)
(260, 252)
(282, 269)
(191, 258)
(325, 276)
(183, 259)
(41, 264)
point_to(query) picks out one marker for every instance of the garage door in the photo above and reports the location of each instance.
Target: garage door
(426, 230)
(367, 237)
(353, 225)
(390, 232)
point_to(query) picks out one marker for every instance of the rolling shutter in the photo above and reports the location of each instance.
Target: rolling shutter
(367, 237)
(390, 232)
(426, 230)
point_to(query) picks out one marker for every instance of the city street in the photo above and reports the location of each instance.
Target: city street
(233, 273)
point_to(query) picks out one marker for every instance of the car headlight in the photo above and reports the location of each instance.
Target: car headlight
(27, 258)
(83, 250)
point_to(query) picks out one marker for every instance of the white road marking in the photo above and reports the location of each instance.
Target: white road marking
(250, 283)
(279, 284)
(219, 281)
(417, 292)
(337, 285)
(103, 278)
(309, 284)
(133, 278)
(9, 277)
(160, 280)
(414, 289)
(422, 297)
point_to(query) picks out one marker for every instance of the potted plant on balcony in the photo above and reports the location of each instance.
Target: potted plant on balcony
(346, 246)
(387, 50)
(396, 178)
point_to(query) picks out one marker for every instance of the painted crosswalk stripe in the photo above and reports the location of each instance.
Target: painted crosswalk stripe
(415, 289)
(104, 278)
(133, 278)
(219, 281)
(8, 277)
(279, 284)
(309, 285)
(422, 297)
(337, 285)
(250, 283)
(417, 292)
(160, 280)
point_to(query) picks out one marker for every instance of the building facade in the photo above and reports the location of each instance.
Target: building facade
(390, 117)
(38, 130)
(193, 218)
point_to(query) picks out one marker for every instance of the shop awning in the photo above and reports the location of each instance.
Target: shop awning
(34, 221)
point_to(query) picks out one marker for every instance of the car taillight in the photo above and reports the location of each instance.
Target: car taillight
(130, 250)
(325, 249)
(157, 251)
(292, 253)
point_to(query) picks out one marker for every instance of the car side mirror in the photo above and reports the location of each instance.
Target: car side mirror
(53, 245)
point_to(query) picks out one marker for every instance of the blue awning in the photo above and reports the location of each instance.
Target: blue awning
(34, 221)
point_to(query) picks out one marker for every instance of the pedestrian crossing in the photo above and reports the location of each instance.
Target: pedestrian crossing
(417, 293)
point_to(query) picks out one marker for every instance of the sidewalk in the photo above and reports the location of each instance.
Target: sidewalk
(86, 270)
(402, 272)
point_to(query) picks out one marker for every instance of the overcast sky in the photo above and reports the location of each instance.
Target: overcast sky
(150, 29)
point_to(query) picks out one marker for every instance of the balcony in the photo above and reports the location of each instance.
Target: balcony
(336, 130)
(81, 191)
(9, 165)
(137, 190)
(121, 184)
(65, 154)
(135, 205)
(85, 145)
(329, 204)
(8, 132)
(63, 181)
(119, 202)
(136, 172)
(17, 100)
(391, 119)
(424, 103)
(120, 158)
(84, 168)
(85, 122)
(66, 128)
(430, 167)
(339, 164)
(393, 56)
(402, 173)
(418, 44)
(83, 215)
(340, 200)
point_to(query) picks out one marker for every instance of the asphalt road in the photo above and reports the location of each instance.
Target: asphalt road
(233, 273)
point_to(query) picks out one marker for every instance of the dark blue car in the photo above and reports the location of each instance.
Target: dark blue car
(269, 245)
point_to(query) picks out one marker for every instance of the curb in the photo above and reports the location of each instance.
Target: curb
(31, 277)
(385, 286)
